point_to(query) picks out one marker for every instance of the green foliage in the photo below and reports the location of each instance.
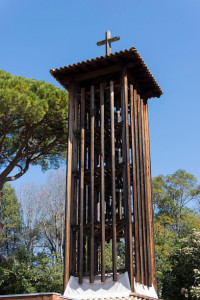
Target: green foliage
(25, 274)
(12, 220)
(173, 220)
(108, 254)
(120, 255)
(22, 269)
(171, 194)
(165, 245)
(49, 273)
(183, 280)
(33, 116)
(25, 269)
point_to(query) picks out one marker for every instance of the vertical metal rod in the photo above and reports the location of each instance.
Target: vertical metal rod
(102, 186)
(82, 157)
(92, 120)
(114, 239)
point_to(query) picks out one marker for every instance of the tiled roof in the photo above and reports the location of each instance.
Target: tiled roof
(133, 296)
(130, 57)
(56, 296)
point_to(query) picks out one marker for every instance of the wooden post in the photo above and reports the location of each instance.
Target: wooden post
(82, 156)
(92, 119)
(74, 193)
(119, 161)
(135, 202)
(126, 181)
(141, 156)
(114, 240)
(141, 256)
(68, 186)
(149, 195)
(102, 186)
(149, 274)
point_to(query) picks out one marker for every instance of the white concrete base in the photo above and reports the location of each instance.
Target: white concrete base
(107, 289)
(145, 290)
(98, 289)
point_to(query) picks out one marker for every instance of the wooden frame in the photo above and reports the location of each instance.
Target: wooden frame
(68, 187)
(108, 194)
(102, 185)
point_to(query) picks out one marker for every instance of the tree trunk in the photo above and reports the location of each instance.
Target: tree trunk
(62, 238)
(1, 225)
(57, 241)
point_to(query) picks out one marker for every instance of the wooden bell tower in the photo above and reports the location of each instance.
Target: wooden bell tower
(108, 194)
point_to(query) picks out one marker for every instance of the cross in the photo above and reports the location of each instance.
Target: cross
(108, 42)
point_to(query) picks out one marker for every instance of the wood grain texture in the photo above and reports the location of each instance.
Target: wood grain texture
(126, 179)
(140, 233)
(148, 254)
(142, 192)
(149, 193)
(112, 128)
(102, 193)
(82, 159)
(74, 193)
(92, 122)
(68, 187)
(135, 202)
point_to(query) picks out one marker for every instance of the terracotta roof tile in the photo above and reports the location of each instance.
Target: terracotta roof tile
(139, 69)
(133, 296)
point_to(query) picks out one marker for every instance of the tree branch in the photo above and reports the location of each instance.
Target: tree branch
(43, 150)
(19, 155)
(1, 143)
(48, 238)
(3, 134)
(22, 172)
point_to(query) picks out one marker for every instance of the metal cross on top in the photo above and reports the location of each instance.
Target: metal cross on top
(108, 42)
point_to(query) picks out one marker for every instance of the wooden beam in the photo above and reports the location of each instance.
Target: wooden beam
(84, 254)
(141, 157)
(119, 157)
(141, 256)
(126, 180)
(88, 254)
(149, 195)
(68, 187)
(101, 72)
(92, 120)
(89, 210)
(85, 213)
(149, 274)
(103, 268)
(114, 240)
(82, 159)
(74, 193)
(135, 202)
(97, 73)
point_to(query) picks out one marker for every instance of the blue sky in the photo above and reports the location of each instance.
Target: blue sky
(37, 35)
